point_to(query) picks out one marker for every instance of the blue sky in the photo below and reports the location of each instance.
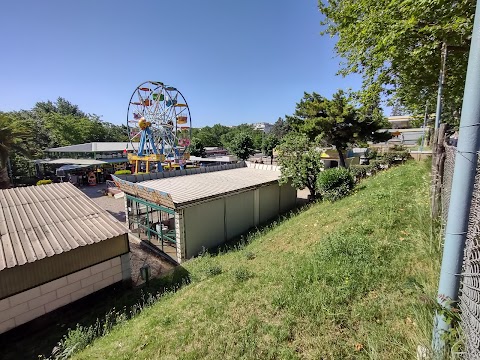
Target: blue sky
(234, 61)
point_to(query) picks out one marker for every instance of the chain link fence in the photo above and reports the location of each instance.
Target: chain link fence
(469, 299)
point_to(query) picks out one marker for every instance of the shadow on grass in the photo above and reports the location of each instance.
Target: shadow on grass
(41, 335)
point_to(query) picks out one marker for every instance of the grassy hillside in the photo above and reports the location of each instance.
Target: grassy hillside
(352, 279)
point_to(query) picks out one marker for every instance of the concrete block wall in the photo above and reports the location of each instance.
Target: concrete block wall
(30, 304)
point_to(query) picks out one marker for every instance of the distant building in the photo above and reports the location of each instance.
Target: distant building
(263, 126)
(400, 122)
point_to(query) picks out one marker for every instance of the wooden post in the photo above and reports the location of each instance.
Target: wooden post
(437, 169)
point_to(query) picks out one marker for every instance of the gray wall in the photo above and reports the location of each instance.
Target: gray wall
(269, 202)
(212, 223)
(288, 197)
(204, 226)
(239, 216)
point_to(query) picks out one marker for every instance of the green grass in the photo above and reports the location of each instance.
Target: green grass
(352, 279)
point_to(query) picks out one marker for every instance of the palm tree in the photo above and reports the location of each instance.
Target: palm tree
(13, 136)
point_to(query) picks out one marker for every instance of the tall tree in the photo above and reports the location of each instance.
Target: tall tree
(242, 146)
(13, 136)
(396, 47)
(300, 162)
(269, 144)
(197, 148)
(337, 122)
(280, 128)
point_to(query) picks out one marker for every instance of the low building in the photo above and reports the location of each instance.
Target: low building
(56, 247)
(263, 126)
(184, 212)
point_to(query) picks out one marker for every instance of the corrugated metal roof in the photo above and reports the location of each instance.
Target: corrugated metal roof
(41, 221)
(94, 147)
(191, 188)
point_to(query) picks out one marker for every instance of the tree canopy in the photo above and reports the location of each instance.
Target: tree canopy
(396, 47)
(337, 122)
(197, 148)
(300, 161)
(13, 138)
(58, 123)
(242, 145)
(269, 144)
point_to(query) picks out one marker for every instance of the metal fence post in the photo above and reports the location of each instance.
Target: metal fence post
(462, 188)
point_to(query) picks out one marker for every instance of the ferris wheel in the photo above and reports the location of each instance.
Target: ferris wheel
(159, 124)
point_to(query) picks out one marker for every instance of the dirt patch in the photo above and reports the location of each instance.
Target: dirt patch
(141, 255)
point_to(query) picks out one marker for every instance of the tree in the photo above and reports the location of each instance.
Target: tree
(13, 135)
(280, 128)
(197, 148)
(268, 145)
(300, 162)
(396, 47)
(242, 146)
(337, 122)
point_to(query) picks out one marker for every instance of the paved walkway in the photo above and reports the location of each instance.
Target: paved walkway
(116, 207)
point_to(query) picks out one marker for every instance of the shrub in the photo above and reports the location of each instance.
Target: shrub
(358, 171)
(44, 182)
(374, 166)
(371, 153)
(250, 255)
(388, 158)
(122, 172)
(242, 274)
(334, 184)
(213, 271)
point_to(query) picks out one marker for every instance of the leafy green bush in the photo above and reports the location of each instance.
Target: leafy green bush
(213, 270)
(371, 153)
(334, 184)
(374, 166)
(44, 182)
(358, 171)
(388, 158)
(122, 172)
(242, 274)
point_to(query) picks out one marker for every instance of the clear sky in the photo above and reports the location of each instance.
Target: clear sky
(234, 61)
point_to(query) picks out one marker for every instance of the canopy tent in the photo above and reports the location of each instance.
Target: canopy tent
(87, 162)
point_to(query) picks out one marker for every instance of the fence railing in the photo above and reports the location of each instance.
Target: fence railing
(469, 297)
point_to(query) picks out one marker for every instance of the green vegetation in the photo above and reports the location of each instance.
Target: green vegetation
(269, 144)
(44, 182)
(337, 122)
(51, 124)
(396, 47)
(300, 162)
(122, 172)
(12, 139)
(334, 184)
(350, 279)
(241, 145)
(197, 148)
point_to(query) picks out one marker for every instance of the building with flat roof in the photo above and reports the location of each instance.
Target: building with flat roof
(183, 212)
(56, 246)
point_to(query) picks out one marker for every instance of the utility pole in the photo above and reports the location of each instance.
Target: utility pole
(462, 189)
(441, 83)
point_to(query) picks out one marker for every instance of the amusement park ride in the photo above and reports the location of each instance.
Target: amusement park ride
(159, 127)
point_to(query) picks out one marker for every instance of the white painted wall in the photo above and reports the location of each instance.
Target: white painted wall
(30, 304)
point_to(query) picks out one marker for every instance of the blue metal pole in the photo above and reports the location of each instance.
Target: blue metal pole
(462, 188)
(441, 82)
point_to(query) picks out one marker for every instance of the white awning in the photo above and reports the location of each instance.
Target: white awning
(75, 161)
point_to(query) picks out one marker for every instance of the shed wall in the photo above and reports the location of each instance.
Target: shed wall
(269, 202)
(27, 305)
(288, 197)
(23, 277)
(239, 215)
(204, 226)
(211, 223)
